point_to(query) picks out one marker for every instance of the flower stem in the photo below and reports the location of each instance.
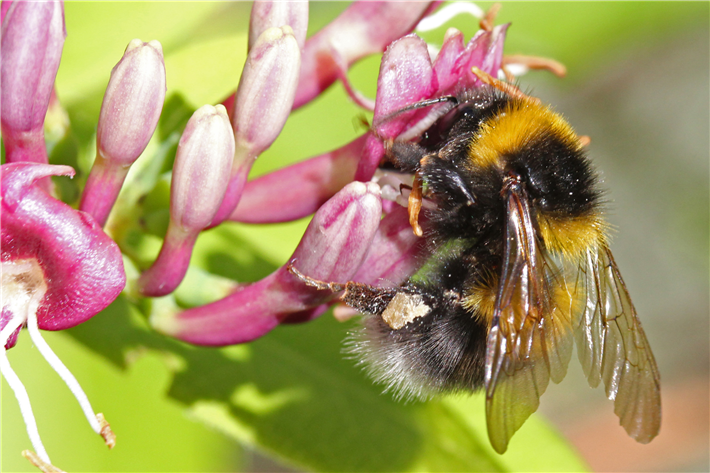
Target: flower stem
(102, 188)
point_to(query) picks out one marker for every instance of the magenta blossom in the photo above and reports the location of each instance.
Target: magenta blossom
(333, 248)
(390, 254)
(58, 270)
(407, 75)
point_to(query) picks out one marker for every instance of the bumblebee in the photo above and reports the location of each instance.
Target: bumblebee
(520, 268)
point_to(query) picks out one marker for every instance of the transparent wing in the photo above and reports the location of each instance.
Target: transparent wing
(530, 339)
(613, 347)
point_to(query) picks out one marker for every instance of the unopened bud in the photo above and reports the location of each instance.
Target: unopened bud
(200, 178)
(132, 103)
(31, 47)
(266, 89)
(274, 14)
(129, 114)
(263, 103)
(332, 249)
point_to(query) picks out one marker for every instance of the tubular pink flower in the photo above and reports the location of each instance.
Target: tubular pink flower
(407, 76)
(129, 114)
(394, 255)
(264, 101)
(300, 189)
(275, 14)
(200, 179)
(364, 28)
(32, 41)
(333, 248)
(58, 270)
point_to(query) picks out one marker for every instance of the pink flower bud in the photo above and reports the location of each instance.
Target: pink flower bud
(332, 249)
(132, 103)
(58, 270)
(266, 89)
(129, 114)
(200, 178)
(275, 14)
(32, 40)
(264, 101)
(364, 28)
(407, 76)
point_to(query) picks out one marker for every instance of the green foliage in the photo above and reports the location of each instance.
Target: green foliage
(290, 394)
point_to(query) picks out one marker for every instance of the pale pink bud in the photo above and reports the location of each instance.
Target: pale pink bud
(263, 103)
(364, 28)
(200, 178)
(32, 40)
(274, 14)
(266, 89)
(129, 114)
(332, 249)
(132, 103)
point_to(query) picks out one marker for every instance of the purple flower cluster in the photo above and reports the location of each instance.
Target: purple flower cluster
(59, 268)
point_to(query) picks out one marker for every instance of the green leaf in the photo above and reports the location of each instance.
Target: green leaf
(290, 394)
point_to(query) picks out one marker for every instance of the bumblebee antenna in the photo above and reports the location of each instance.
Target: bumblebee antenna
(415, 106)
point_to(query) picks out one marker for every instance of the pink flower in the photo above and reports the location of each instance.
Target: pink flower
(333, 248)
(58, 270)
(387, 249)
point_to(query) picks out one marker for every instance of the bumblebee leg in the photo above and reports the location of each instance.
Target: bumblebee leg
(361, 297)
(509, 89)
(415, 204)
(584, 141)
(318, 284)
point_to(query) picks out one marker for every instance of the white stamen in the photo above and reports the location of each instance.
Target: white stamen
(446, 13)
(516, 69)
(61, 370)
(23, 400)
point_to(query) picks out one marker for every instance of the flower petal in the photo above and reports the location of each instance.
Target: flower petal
(82, 266)
(332, 249)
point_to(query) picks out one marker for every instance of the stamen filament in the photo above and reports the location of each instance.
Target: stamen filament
(23, 400)
(61, 370)
(446, 13)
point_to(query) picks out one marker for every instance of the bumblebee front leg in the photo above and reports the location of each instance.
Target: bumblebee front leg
(361, 297)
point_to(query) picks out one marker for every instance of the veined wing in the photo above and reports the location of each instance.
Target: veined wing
(613, 347)
(530, 339)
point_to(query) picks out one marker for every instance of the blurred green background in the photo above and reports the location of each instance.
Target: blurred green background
(637, 85)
